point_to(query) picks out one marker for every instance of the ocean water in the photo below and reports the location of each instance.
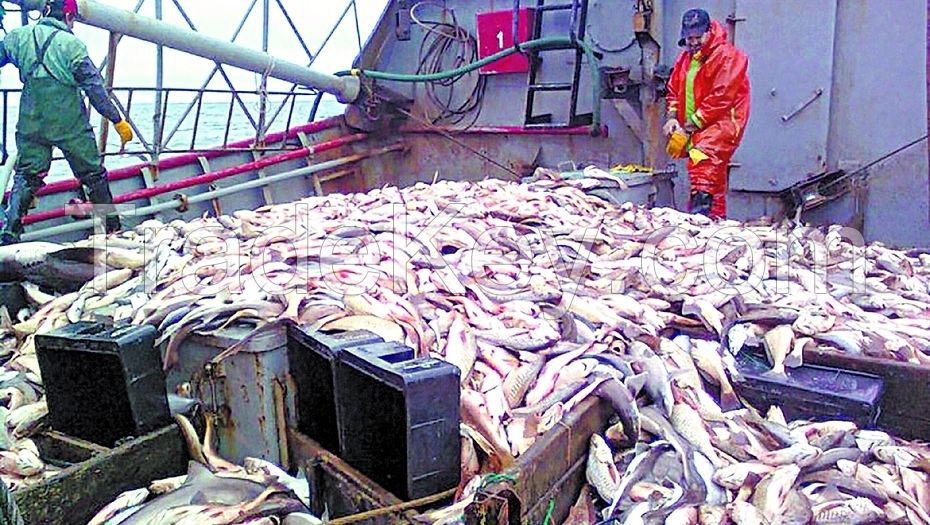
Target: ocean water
(211, 128)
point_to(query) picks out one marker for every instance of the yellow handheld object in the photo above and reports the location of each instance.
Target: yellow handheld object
(677, 144)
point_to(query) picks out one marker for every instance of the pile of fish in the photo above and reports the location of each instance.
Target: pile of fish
(741, 468)
(214, 492)
(541, 294)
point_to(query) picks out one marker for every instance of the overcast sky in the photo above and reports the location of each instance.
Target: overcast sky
(135, 63)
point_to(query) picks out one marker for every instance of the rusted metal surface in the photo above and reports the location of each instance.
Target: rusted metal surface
(337, 487)
(241, 389)
(551, 472)
(78, 492)
(907, 385)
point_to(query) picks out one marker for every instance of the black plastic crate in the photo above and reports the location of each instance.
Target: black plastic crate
(311, 364)
(399, 419)
(103, 383)
(810, 392)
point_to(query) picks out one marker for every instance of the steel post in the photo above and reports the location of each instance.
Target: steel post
(157, 115)
(97, 14)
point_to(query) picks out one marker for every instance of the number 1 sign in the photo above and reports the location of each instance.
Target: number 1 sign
(495, 33)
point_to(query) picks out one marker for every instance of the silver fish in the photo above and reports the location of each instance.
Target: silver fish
(601, 472)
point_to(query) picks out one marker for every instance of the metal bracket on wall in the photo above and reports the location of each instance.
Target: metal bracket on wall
(402, 21)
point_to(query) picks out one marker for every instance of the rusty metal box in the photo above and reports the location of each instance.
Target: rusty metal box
(248, 389)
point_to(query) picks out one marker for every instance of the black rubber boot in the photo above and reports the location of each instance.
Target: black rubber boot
(20, 201)
(99, 194)
(701, 203)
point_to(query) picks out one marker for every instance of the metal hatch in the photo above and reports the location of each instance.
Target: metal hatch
(790, 48)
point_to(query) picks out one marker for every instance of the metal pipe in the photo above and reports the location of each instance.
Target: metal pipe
(510, 130)
(97, 14)
(189, 158)
(215, 194)
(263, 88)
(159, 116)
(207, 178)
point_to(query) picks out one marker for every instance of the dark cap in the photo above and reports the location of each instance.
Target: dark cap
(695, 22)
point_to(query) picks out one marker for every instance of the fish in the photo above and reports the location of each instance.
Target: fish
(796, 510)
(517, 382)
(708, 360)
(875, 478)
(601, 472)
(733, 476)
(52, 266)
(658, 384)
(130, 498)
(799, 454)
(772, 492)
(743, 513)
(705, 311)
(461, 349)
(386, 330)
(476, 416)
(829, 458)
(716, 495)
(777, 346)
(856, 511)
(519, 339)
(624, 406)
(690, 425)
(201, 486)
(713, 515)
(638, 470)
(847, 484)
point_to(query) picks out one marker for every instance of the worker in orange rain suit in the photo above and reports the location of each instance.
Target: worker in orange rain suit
(708, 99)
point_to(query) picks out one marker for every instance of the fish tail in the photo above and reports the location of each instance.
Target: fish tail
(729, 401)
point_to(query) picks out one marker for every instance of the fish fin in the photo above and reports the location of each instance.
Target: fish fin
(729, 401)
(199, 498)
(635, 384)
(773, 374)
(197, 472)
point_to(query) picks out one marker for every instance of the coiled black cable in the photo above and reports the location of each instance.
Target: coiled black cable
(447, 45)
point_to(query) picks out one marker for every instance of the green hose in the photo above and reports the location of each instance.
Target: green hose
(525, 46)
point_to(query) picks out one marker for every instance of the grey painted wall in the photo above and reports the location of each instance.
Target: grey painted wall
(867, 56)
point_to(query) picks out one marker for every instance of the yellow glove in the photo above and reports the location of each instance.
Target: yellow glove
(697, 155)
(125, 131)
(677, 145)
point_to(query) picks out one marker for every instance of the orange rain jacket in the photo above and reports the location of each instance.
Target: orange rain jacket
(720, 110)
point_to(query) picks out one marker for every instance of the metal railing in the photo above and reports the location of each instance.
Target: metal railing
(153, 139)
(204, 128)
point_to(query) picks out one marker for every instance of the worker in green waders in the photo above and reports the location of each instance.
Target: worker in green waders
(55, 68)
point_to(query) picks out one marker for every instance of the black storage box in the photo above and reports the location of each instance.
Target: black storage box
(810, 392)
(399, 419)
(311, 362)
(103, 383)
